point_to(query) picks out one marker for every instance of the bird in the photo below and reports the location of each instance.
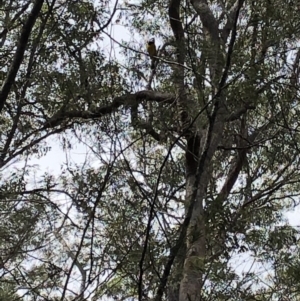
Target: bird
(151, 48)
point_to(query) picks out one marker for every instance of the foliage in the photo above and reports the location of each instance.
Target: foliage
(188, 169)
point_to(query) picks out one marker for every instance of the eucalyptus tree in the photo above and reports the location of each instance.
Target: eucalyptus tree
(187, 166)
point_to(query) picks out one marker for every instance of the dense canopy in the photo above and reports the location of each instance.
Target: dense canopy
(187, 170)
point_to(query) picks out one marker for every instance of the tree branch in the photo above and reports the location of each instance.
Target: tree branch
(126, 100)
(230, 21)
(239, 112)
(21, 47)
(207, 18)
(237, 166)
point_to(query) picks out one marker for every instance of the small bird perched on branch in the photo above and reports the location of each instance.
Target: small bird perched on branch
(151, 48)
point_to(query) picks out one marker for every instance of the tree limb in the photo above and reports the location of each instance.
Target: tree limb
(126, 100)
(21, 47)
(236, 166)
(207, 18)
(230, 21)
(239, 112)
